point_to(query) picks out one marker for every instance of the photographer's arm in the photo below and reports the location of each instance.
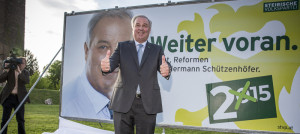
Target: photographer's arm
(3, 75)
(23, 75)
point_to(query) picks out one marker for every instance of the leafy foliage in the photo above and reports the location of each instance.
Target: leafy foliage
(38, 96)
(32, 63)
(54, 73)
(43, 83)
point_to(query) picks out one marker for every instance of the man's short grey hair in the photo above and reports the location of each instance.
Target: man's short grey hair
(119, 13)
(141, 16)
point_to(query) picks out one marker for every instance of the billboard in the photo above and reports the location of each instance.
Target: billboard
(235, 64)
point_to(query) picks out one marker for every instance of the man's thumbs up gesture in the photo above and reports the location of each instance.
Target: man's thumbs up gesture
(164, 67)
(105, 65)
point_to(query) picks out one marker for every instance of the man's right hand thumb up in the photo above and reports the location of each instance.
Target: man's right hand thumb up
(105, 65)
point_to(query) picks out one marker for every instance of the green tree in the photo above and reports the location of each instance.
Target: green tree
(32, 64)
(32, 79)
(54, 74)
(42, 84)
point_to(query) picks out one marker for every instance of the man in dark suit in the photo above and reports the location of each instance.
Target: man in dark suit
(13, 93)
(136, 98)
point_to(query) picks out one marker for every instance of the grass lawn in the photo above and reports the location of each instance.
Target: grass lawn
(41, 118)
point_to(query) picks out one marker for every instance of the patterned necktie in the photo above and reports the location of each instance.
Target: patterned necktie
(140, 55)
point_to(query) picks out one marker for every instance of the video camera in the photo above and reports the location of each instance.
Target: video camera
(13, 61)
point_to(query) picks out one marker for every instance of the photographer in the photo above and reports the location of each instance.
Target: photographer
(14, 91)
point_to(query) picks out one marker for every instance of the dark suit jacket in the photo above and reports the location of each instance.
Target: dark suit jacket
(9, 86)
(131, 74)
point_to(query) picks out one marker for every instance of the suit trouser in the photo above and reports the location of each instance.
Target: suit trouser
(12, 103)
(124, 122)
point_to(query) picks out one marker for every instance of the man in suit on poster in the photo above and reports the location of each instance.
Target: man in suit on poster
(136, 99)
(88, 95)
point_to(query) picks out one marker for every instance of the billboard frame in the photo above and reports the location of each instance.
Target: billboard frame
(73, 13)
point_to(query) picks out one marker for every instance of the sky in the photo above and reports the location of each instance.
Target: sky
(44, 22)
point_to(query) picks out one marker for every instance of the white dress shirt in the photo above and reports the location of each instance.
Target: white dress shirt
(137, 45)
(80, 99)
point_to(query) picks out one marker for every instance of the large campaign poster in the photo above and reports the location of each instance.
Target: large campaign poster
(235, 64)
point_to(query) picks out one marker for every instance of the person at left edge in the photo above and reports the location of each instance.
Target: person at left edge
(13, 93)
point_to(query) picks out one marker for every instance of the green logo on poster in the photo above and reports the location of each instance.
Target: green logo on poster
(237, 100)
(281, 6)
